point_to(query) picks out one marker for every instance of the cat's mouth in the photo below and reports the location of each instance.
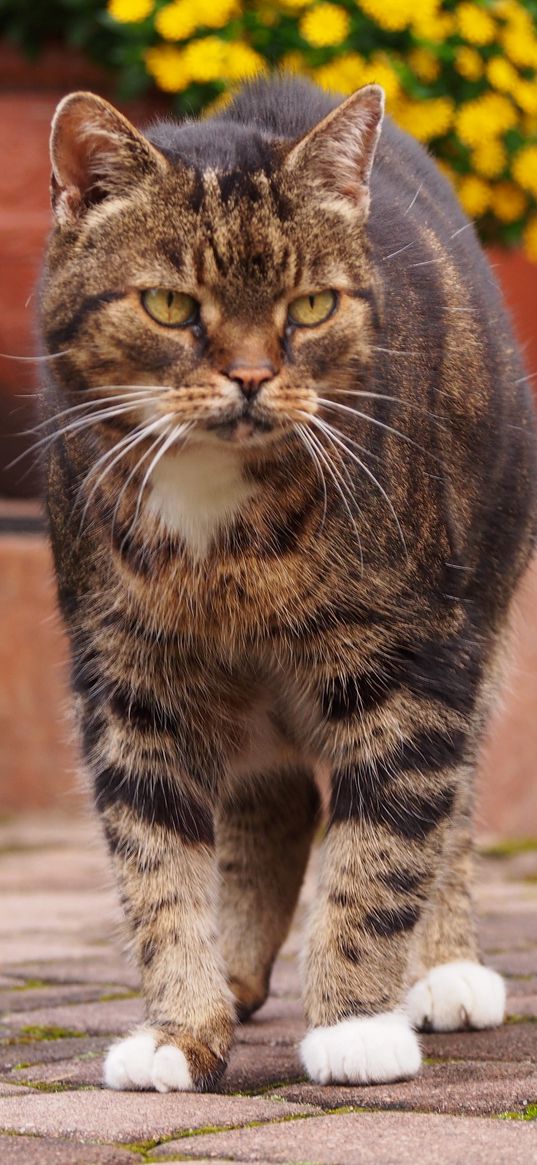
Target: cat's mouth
(244, 425)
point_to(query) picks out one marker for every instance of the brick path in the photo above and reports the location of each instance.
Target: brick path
(65, 988)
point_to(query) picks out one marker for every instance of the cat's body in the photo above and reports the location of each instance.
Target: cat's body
(281, 594)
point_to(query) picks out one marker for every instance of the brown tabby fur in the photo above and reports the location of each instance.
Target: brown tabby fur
(332, 618)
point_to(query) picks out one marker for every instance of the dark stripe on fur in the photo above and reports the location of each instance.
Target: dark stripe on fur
(157, 800)
(67, 332)
(391, 921)
(143, 713)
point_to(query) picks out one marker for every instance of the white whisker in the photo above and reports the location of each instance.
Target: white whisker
(122, 447)
(304, 437)
(374, 421)
(35, 359)
(168, 440)
(415, 198)
(385, 396)
(338, 482)
(400, 251)
(339, 440)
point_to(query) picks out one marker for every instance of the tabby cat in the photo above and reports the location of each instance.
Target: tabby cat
(291, 482)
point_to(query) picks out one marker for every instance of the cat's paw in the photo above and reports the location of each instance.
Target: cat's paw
(136, 1062)
(457, 995)
(373, 1050)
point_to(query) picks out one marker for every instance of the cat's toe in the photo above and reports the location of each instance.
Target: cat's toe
(170, 1070)
(372, 1050)
(129, 1062)
(457, 995)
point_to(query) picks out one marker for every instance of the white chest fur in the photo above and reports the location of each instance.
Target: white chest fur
(196, 491)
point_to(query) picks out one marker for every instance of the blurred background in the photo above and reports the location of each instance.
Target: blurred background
(461, 77)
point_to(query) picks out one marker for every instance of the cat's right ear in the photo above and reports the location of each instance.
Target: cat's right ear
(95, 154)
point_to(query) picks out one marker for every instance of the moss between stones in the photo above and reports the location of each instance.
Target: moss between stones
(32, 1033)
(509, 849)
(529, 1114)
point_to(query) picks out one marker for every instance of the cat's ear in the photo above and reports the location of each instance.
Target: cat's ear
(337, 154)
(96, 154)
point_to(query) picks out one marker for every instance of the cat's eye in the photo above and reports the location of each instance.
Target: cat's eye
(173, 309)
(309, 310)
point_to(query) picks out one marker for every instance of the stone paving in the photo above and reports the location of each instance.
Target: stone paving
(66, 988)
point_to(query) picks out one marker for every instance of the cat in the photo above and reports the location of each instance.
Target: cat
(291, 490)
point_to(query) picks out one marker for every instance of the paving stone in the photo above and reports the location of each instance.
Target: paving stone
(107, 968)
(9, 1089)
(285, 979)
(250, 1071)
(280, 1021)
(49, 996)
(522, 1004)
(368, 1139)
(130, 1117)
(49, 1051)
(80, 1072)
(513, 931)
(511, 1042)
(514, 963)
(28, 1151)
(463, 1088)
(115, 1016)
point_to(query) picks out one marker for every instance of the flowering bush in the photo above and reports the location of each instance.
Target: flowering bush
(460, 75)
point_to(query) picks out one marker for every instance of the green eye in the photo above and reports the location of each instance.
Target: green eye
(174, 309)
(309, 310)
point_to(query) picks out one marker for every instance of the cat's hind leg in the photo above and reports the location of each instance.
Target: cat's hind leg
(263, 834)
(454, 990)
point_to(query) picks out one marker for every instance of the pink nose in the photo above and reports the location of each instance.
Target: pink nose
(250, 378)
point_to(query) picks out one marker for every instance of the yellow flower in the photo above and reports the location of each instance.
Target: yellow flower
(524, 168)
(489, 158)
(177, 21)
(242, 61)
(395, 15)
(520, 45)
(380, 71)
(474, 24)
(425, 119)
(507, 201)
(501, 74)
(293, 62)
(165, 64)
(525, 95)
(427, 24)
(485, 117)
(293, 5)
(326, 24)
(424, 64)
(530, 239)
(342, 75)
(469, 63)
(216, 13)
(130, 11)
(474, 195)
(204, 59)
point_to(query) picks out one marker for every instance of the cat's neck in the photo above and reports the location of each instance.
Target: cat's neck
(197, 491)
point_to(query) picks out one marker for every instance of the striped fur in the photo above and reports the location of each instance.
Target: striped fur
(322, 576)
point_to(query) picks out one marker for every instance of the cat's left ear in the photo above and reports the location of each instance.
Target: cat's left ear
(337, 155)
(96, 154)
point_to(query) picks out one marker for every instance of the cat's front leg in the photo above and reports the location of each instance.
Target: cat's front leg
(393, 789)
(157, 810)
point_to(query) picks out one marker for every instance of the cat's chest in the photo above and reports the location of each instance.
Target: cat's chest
(196, 494)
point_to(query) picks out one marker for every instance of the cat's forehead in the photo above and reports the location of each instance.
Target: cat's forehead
(251, 232)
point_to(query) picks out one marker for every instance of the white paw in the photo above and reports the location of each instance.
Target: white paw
(457, 995)
(372, 1050)
(137, 1063)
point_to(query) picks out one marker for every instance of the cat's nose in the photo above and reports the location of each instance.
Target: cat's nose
(250, 377)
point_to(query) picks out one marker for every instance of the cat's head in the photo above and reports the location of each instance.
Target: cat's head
(223, 302)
